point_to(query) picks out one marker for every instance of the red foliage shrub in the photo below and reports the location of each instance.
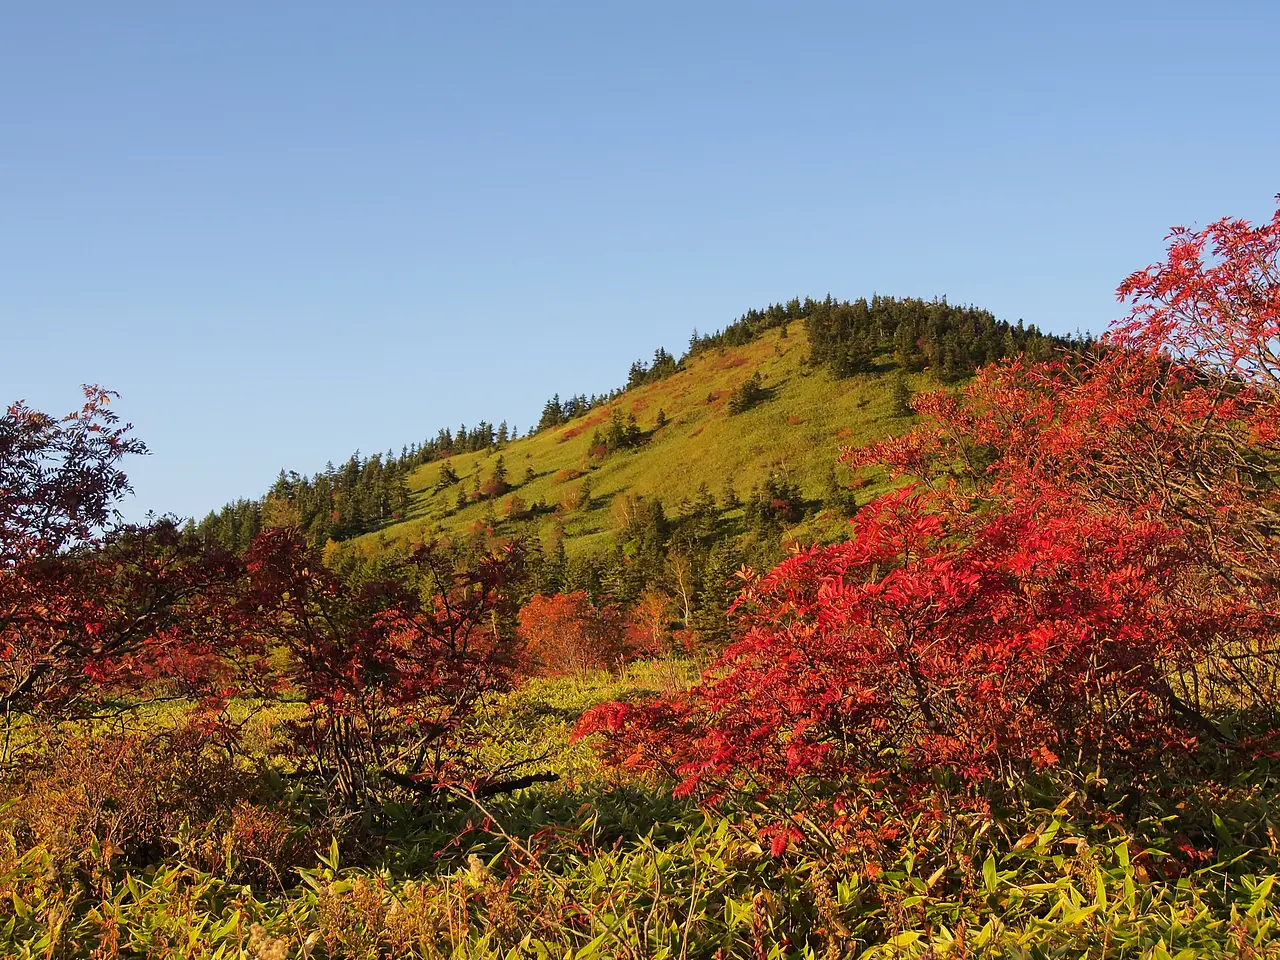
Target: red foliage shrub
(567, 634)
(88, 607)
(130, 613)
(930, 642)
(1174, 420)
(390, 667)
(60, 478)
(593, 419)
(1100, 530)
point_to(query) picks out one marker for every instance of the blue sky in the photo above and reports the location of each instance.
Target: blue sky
(284, 231)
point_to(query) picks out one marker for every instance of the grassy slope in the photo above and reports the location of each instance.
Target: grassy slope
(797, 432)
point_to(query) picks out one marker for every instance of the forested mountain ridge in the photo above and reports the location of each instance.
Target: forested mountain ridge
(739, 436)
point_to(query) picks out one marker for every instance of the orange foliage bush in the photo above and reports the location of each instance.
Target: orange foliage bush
(567, 634)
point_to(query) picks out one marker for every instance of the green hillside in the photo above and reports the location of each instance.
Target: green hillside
(795, 433)
(733, 446)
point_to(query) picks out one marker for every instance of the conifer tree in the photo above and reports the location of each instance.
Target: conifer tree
(901, 396)
(448, 476)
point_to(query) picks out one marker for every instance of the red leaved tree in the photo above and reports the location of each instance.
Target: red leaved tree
(1093, 535)
(60, 479)
(90, 607)
(390, 668)
(1176, 419)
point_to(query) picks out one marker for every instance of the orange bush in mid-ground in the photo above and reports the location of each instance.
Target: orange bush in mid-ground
(567, 634)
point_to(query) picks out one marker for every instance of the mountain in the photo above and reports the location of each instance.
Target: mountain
(738, 440)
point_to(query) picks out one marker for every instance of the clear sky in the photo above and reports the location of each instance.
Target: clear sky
(287, 230)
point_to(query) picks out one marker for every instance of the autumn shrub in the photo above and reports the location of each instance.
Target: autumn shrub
(61, 477)
(1176, 419)
(567, 634)
(90, 607)
(388, 659)
(388, 665)
(931, 651)
(97, 800)
(1089, 579)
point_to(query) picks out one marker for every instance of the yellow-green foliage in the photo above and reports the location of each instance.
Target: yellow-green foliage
(713, 892)
(798, 432)
(599, 866)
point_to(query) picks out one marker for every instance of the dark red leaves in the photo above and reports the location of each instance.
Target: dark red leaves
(60, 478)
(89, 609)
(390, 668)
